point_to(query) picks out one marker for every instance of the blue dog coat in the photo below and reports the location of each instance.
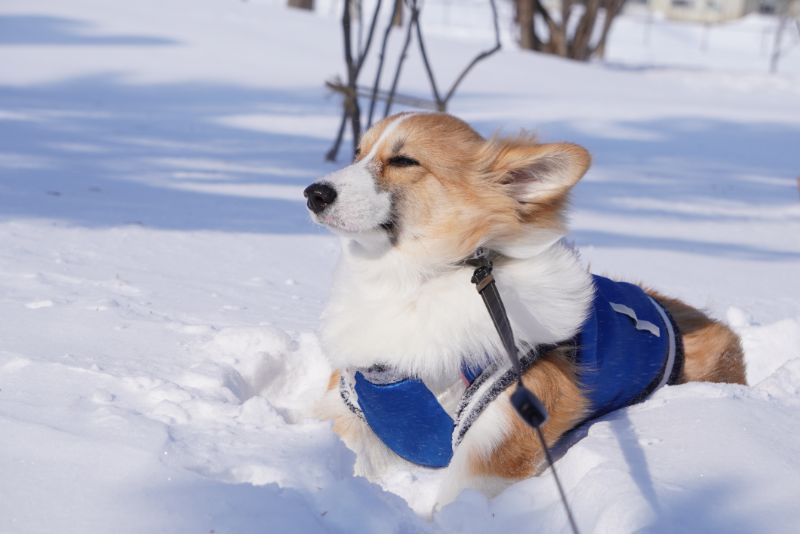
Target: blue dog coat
(627, 347)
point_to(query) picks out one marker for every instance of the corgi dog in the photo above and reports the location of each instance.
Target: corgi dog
(421, 373)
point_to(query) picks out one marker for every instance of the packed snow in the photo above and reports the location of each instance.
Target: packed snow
(161, 283)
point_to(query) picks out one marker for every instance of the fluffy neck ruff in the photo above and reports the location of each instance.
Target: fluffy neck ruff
(427, 324)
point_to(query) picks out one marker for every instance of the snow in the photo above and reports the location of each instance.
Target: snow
(160, 282)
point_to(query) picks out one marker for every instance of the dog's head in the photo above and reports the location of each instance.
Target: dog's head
(428, 186)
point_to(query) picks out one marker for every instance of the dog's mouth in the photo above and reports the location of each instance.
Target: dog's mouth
(388, 227)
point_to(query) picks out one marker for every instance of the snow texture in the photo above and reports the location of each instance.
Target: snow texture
(161, 282)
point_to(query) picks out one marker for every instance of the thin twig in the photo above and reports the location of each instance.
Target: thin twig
(350, 106)
(348, 110)
(355, 122)
(348, 45)
(483, 55)
(371, 33)
(424, 54)
(400, 98)
(783, 20)
(400, 62)
(334, 150)
(353, 69)
(387, 32)
(360, 14)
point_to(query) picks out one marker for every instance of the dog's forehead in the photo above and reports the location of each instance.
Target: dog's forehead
(392, 134)
(386, 133)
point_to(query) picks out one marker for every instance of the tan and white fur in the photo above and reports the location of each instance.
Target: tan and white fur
(424, 192)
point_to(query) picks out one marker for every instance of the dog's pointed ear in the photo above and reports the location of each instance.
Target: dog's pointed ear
(535, 173)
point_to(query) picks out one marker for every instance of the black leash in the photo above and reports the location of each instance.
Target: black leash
(527, 404)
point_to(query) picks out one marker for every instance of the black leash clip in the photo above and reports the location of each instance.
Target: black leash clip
(528, 406)
(482, 276)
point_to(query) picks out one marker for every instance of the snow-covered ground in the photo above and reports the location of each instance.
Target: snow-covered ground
(160, 282)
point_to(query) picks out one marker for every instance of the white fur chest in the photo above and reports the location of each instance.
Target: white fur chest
(384, 312)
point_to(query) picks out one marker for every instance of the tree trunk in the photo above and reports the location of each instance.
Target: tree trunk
(302, 4)
(581, 41)
(559, 40)
(397, 18)
(566, 13)
(613, 8)
(525, 20)
(557, 33)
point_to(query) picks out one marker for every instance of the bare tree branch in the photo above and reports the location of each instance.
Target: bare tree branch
(359, 5)
(480, 57)
(566, 12)
(397, 16)
(424, 53)
(557, 38)
(351, 108)
(398, 4)
(613, 8)
(407, 100)
(351, 92)
(371, 33)
(441, 102)
(544, 13)
(783, 21)
(400, 62)
(302, 4)
(348, 45)
(334, 150)
(355, 122)
(524, 17)
(351, 104)
(583, 33)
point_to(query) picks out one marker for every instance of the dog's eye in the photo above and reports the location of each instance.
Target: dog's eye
(402, 161)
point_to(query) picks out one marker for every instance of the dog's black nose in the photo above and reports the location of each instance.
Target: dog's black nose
(320, 196)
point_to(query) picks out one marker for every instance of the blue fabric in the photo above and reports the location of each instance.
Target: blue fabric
(618, 363)
(618, 366)
(470, 373)
(406, 416)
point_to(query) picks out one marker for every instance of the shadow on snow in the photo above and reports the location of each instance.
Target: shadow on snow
(98, 152)
(49, 30)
